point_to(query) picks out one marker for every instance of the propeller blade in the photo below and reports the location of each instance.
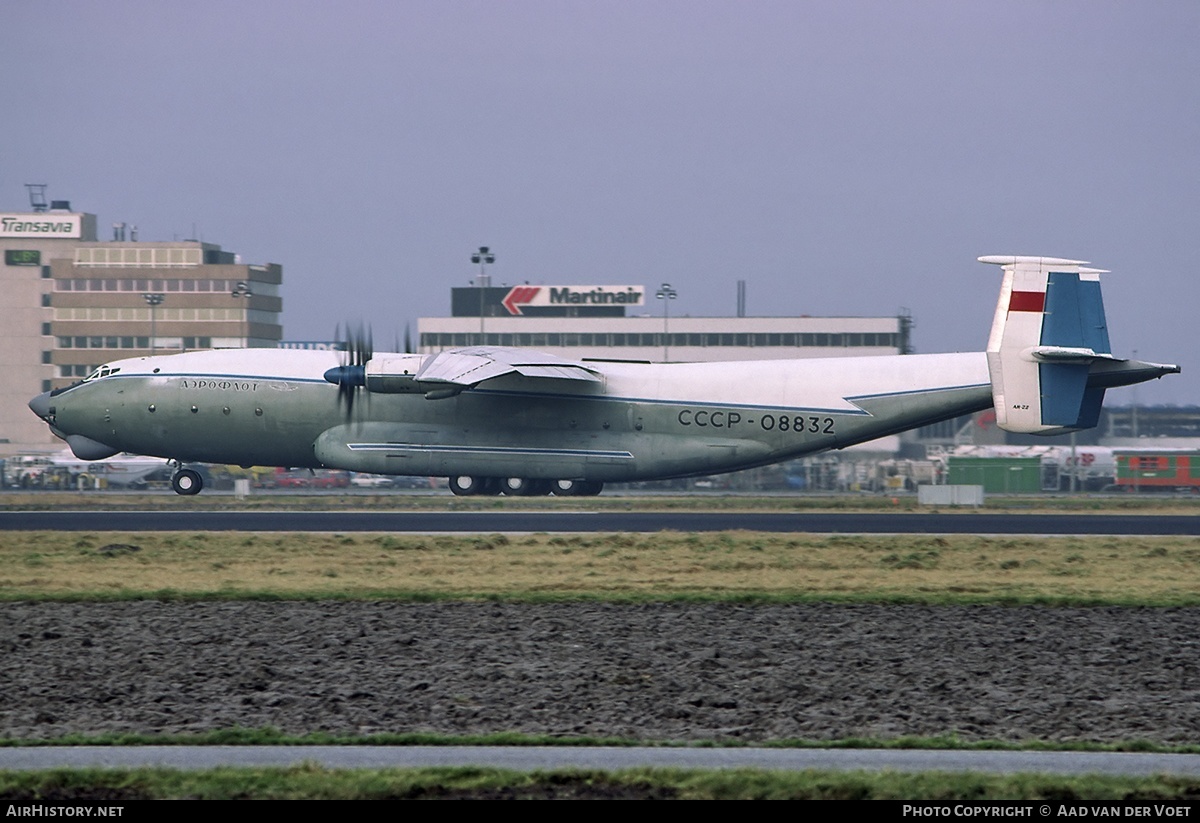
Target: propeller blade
(351, 376)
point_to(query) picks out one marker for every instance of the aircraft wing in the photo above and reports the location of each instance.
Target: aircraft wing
(471, 366)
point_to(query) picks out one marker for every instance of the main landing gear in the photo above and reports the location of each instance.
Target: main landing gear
(469, 485)
(187, 481)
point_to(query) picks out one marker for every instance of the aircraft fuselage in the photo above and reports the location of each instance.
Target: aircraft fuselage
(641, 421)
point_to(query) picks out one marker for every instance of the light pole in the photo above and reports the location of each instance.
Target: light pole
(243, 290)
(666, 294)
(483, 257)
(153, 300)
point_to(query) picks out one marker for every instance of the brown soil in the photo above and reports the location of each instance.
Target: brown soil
(654, 672)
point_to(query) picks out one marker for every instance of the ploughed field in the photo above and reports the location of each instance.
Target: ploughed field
(655, 671)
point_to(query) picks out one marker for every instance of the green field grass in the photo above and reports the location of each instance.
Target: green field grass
(726, 566)
(116, 786)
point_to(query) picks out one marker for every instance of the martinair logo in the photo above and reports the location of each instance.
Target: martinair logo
(519, 297)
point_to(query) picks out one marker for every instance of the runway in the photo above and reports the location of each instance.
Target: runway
(547, 758)
(604, 521)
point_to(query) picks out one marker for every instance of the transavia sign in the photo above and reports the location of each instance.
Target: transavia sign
(41, 225)
(519, 297)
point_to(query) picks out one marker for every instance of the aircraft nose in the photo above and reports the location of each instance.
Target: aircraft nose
(40, 405)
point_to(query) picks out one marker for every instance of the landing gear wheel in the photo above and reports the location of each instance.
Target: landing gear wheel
(524, 487)
(565, 488)
(187, 481)
(576, 488)
(466, 485)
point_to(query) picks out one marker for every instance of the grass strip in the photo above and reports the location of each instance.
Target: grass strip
(735, 567)
(274, 737)
(609, 501)
(311, 782)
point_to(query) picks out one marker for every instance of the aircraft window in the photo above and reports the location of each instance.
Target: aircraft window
(102, 371)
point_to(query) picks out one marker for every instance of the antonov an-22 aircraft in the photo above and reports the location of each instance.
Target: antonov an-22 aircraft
(523, 422)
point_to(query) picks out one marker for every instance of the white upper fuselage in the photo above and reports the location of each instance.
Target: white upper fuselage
(825, 384)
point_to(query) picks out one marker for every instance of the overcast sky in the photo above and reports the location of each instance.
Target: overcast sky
(844, 158)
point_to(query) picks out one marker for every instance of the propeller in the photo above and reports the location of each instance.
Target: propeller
(351, 376)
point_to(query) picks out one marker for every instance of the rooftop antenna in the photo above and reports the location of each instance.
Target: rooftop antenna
(37, 196)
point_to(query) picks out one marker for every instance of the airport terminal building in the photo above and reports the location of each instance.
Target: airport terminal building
(72, 302)
(613, 322)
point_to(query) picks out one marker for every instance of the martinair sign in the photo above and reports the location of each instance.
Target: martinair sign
(42, 225)
(519, 297)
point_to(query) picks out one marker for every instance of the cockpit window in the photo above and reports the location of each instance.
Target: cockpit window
(103, 371)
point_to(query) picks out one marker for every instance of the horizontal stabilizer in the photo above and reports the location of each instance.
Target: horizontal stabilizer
(1067, 354)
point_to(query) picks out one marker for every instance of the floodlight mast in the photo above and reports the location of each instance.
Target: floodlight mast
(243, 291)
(483, 257)
(666, 294)
(153, 300)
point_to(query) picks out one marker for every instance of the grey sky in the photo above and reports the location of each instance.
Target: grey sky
(842, 157)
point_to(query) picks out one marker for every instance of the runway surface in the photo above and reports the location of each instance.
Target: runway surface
(545, 758)
(602, 521)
